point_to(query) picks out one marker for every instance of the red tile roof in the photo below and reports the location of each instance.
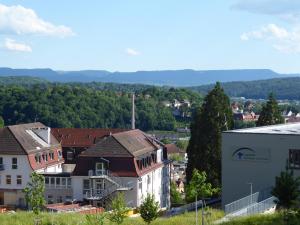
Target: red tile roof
(172, 148)
(81, 137)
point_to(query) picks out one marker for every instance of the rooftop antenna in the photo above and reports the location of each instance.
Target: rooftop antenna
(133, 114)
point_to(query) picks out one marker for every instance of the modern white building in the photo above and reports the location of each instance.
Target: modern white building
(25, 148)
(253, 157)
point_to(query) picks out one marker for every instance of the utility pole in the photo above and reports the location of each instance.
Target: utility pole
(133, 113)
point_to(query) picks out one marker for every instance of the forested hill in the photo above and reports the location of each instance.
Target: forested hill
(76, 105)
(283, 88)
(176, 78)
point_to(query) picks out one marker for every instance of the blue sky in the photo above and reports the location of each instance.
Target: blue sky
(131, 35)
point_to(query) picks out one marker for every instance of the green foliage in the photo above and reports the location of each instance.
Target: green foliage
(204, 149)
(95, 219)
(182, 144)
(176, 157)
(119, 209)
(175, 195)
(83, 105)
(34, 192)
(270, 113)
(199, 187)
(286, 88)
(286, 190)
(26, 218)
(238, 124)
(166, 141)
(1, 122)
(149, 209)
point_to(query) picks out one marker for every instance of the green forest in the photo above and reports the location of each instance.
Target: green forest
(90, 105)
(283, 88)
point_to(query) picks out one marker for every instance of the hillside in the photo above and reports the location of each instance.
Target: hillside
(167, 77)
(284, 88)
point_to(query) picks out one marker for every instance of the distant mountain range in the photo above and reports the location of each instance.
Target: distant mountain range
(174, 78)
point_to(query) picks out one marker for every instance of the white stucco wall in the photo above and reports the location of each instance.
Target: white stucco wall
(23, 169)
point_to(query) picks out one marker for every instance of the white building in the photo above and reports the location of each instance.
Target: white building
(23, 149)
(253, 157)
(128, 162)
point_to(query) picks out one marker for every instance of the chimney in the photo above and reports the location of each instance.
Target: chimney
(133, 114)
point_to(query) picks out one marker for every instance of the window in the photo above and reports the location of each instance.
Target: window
(294, 158)
(59, 199)
(1, 164)
(70, 155)
(86, 186)
(100, 168)
(51, 155)
(8, 179)
(50, 199)
(14, 163)
(57, 181)
(69, 182)
(46, 181)
(37, 158)
(52, 181)
(19, 179)
(46, 157)
(59, 154)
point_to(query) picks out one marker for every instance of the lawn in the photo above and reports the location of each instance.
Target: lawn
(270, 219)
(26, 218)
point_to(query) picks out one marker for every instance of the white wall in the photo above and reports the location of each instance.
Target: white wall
(23, 169)
(237, 174)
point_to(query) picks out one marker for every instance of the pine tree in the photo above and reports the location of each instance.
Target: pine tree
(287, 190)
(270, 113)
(204, 149)
(149, 209)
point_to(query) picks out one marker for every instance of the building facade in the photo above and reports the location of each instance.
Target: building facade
(253, 157)
(23, 149)
(128, 162)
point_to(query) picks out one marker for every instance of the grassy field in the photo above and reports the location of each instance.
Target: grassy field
(24, 218)
(271, 219)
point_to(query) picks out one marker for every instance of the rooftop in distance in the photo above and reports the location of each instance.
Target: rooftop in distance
(290, 128)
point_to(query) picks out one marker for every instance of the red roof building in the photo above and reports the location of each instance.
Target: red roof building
(76, 140)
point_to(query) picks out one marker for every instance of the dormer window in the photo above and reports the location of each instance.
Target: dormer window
(51, 155)
(38, 158)
(59, 154)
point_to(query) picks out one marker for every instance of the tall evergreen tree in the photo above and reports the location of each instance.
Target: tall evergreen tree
(204, 149)
(270, 113)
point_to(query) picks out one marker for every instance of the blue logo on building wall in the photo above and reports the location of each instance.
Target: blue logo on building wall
(249, 154)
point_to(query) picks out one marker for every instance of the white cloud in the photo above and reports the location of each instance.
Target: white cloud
(12, 45)
(283, 40)
(20, 20)
(284, 9)
(132, 52)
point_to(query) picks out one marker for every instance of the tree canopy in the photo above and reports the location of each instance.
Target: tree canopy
(84, 106)
(270, 113)
(204, 149)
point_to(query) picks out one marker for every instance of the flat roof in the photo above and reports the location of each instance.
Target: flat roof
(289, 128)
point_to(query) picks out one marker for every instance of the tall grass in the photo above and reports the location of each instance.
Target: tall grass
(26, 218)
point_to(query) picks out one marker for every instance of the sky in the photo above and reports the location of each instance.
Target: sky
(132, 35)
